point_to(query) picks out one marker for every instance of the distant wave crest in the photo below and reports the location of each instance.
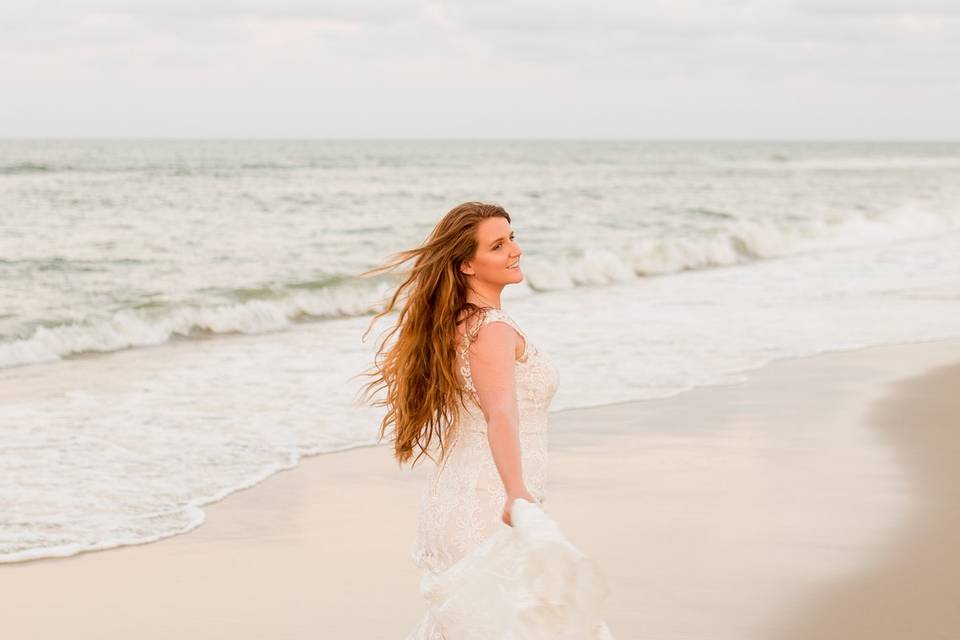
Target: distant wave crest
(263, 310)
(26, 167)
(739, 242)
(129, 328)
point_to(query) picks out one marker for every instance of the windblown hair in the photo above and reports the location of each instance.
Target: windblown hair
(424, 394)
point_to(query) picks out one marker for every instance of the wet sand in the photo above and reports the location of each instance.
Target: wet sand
(913, 589)
(811, 501)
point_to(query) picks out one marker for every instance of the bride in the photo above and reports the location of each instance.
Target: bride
(465, 385)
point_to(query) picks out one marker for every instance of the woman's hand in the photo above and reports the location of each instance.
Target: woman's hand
(526, 495)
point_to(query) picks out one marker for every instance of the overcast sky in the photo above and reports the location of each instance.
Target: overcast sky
(610, 69)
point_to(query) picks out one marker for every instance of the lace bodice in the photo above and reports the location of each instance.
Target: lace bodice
(536, 378)
(463, 501)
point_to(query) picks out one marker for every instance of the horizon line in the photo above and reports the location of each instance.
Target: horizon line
(458, 139)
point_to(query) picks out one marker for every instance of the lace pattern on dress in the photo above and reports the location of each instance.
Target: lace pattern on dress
(470, 336)
(462, 502)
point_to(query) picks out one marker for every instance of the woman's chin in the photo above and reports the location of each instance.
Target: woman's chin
(515, 277)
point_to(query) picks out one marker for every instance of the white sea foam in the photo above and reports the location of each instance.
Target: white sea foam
(114, 452)
(739, 242)
(131, 328)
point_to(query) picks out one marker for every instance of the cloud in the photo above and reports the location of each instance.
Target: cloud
(496, 68)
(938, 8)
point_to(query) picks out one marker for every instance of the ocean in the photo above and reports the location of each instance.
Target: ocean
(182, 319)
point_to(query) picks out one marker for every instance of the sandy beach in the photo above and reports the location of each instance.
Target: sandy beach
(812, 500)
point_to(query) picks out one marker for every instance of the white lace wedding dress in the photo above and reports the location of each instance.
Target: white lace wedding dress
(483, 579)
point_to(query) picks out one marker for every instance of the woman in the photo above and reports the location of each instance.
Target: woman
(464, 383)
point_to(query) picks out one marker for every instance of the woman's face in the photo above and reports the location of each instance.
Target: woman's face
(496, 252)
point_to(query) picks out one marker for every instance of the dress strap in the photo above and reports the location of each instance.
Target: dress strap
(494, 315)
(470, 336)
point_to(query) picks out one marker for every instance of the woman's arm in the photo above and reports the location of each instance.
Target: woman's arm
(492, 358)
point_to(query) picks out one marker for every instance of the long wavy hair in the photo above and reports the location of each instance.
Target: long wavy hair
(424, 394)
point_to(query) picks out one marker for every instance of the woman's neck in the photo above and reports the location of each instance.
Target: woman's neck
(485, 297)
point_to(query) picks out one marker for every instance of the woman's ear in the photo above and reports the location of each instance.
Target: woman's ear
(466, 268)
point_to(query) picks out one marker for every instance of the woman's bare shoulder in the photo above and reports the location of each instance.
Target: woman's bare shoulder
(497, 327)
